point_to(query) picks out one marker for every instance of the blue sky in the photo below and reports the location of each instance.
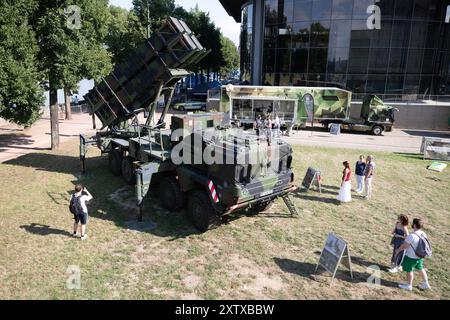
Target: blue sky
(229, 28)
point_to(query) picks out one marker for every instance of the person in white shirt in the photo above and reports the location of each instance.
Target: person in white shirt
(277, 126)
(80, 197)
(411, 261)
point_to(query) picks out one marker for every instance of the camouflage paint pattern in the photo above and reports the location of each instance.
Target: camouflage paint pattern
(329, 103)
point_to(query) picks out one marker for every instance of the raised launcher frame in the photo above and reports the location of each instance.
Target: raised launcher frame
(141, 153)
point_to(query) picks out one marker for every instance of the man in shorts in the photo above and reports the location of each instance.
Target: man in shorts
(411, 261)
(80, 197)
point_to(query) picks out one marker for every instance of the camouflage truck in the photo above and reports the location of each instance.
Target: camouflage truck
(200, 161)
(295, 106)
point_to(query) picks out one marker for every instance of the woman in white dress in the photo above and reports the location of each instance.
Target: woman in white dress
(345, 192)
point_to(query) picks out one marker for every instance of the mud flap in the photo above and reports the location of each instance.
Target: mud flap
(144, 174)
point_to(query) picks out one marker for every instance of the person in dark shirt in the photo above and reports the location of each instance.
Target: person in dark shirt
(359, 172)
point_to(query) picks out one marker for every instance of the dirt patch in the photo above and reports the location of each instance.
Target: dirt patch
(125, 198)
(255, 280)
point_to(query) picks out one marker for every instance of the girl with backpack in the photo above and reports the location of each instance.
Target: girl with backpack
(399, 235)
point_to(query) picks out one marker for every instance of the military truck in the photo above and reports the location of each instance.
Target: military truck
(247, 173)
(295, 106)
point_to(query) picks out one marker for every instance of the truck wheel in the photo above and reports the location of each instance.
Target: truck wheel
(260, 207)
(182, 108)
(202, 213)
(115, 162)
(172, 198)
(377, 130)
(128, 173)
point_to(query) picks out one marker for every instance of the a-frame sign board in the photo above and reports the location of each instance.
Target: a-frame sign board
(334, 253)
(312, 178)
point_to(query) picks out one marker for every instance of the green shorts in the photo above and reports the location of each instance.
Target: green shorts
(409, 264)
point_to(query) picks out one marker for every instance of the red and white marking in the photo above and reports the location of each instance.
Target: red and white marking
(213, 192)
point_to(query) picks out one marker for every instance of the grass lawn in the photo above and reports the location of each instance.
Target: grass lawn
(269, 256)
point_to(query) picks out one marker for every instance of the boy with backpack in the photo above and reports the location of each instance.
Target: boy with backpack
(79, 209)
(417, 248)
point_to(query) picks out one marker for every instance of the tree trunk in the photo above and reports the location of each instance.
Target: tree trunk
(54, 118)
(68, 105)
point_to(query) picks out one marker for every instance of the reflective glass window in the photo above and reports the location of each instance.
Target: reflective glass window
(358, 60)
(433, 35)
(375, 83)
(378, 61)
(421, 9)
(303, 10)
(320, 33)
(394, 84)
(321, 10)
(340, 33)
(337, 79)
(300, 35)
(403, 9)
(411, 85)
(360, 9)
(342, 9)
(382, 38)
(400, 33)
(337, 60)
(269, 61)
(387, 8)
(283, 61)
(271, 12)
(357, 82)
(299, 61)
(426, 83)
(318, 60)
(419, 34)
(288, 11)
(428, 61)
(414, 61)
(360, 35)
(397, 62)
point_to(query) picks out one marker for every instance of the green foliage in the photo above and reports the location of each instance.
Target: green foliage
(152, 13)
(21, 95)
(68, 55)
(125, 32)
(230, 56)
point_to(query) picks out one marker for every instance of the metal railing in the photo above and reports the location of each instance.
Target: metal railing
(408, 98)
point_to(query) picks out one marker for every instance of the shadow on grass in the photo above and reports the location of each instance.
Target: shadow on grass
(307, 270)
(415, 156)
(44, 230)
(102, 184)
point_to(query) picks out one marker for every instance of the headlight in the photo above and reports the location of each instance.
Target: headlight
(308, 101)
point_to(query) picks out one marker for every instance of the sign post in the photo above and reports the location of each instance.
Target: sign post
(335, 129)
(313, 177)
(334, 252)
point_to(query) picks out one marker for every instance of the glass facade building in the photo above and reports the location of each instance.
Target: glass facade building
(399, 47)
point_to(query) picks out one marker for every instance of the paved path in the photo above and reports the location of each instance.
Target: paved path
(15, 142)
(405, 141)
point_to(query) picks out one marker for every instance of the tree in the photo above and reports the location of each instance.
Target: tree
(70, 49)
(125, 33)
(21, 95)
(230, 56)
(152, 13)
(209, 36)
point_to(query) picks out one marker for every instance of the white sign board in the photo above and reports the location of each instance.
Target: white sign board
(333, 253)
(335, 129)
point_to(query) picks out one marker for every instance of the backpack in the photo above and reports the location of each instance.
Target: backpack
(423, 248)
(74, 204)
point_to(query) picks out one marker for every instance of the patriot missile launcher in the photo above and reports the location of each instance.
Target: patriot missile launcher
(198, 161)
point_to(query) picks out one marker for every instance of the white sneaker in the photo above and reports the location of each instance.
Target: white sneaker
(84, 237)
(74, 234)
(424, 286)
(394, 270)
(405, 286)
